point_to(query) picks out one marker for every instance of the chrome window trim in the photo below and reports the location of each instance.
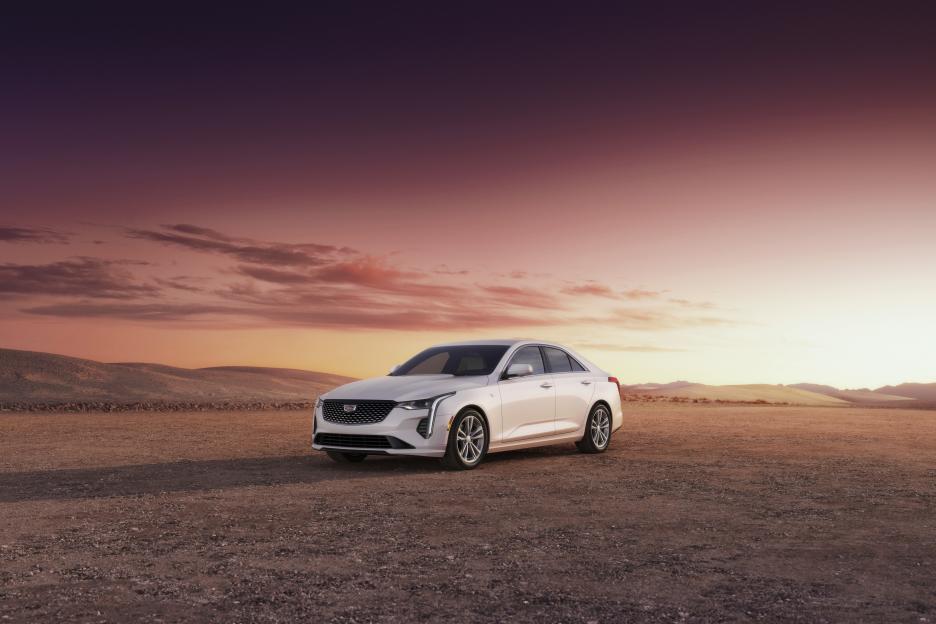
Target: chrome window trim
(510, 356)
(513, 354)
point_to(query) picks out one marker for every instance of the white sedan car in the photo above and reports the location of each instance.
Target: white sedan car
(463, 400)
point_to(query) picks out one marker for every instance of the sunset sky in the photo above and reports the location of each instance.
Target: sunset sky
(716, 194)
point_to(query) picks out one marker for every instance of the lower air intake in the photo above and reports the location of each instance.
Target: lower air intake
(344, 440)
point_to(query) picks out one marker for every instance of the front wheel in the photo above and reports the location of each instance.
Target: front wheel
(597, 431)
(346, 458)
(467, 441)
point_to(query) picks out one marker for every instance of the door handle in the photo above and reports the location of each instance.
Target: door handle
(545, 385)
(586, 383)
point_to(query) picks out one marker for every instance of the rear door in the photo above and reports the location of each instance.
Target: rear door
(528, 404)
(574, 389)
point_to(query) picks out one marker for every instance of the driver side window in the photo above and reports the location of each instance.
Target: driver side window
(532, 356)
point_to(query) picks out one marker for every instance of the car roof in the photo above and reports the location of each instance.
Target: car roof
(500, 342)
(508, 342)
(493, 341)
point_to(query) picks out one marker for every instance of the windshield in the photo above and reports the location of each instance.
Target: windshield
(459, 361)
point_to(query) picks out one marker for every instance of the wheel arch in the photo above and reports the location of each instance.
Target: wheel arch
(480, 410)
(601, 402)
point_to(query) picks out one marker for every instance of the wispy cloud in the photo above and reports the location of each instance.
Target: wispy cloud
(445, 270)
(206, 240)
(77, 277)
(522, 297)
(269, 283)
(365, 271)
(654, 319)
(157, 311)
(321, 316)
(596, 289)
(636, 294)
(32, 235)
(179, 283)
(591, 289)
(697, 305)
(273, 276)
(368, 273)
(196, 230)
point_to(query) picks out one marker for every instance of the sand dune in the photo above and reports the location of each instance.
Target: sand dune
(920, 391)
(862, 396)
(34, 377)
(795, 394)
(749, 393)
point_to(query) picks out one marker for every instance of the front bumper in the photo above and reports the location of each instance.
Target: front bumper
(400, 425)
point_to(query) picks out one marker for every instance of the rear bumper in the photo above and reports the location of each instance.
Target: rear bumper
(399, 429)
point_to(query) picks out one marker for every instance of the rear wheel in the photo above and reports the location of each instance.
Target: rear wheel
(597, 431)
(346, 458)
(467, 441)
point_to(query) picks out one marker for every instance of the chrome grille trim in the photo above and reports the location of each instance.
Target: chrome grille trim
(365, 412)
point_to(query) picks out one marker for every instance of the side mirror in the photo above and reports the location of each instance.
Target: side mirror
(394, 369)
(519, 370)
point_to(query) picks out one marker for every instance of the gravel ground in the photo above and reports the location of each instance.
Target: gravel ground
(697, 513)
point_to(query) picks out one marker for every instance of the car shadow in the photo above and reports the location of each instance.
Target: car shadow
(220, 474)
(188, 475)
(532, 453)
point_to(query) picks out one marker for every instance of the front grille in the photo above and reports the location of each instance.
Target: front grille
(365, 412)
(344, 440)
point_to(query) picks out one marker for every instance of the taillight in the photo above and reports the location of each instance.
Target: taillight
(615, 381)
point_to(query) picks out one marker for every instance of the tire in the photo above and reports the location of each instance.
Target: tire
(468, 441)
(597, 430)
(346, 458)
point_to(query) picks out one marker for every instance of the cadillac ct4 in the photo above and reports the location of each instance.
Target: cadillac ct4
(460, 401)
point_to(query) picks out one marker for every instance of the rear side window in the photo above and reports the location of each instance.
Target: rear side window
(531, 356)
(558, 360)
(578, 368)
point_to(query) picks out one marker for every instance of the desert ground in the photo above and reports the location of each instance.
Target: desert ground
(697, 513)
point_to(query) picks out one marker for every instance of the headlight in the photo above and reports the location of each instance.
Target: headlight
(416, 405)
(422, 404)
(318, 402)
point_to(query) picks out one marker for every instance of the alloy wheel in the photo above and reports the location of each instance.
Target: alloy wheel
(469, 439)
(600, 428)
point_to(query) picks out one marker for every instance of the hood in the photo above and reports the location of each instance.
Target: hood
(404, 387)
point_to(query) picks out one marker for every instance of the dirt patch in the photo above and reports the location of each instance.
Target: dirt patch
(696, 513)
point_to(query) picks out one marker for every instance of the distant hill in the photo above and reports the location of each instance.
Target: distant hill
(657, 386)
(30, 377)
(821, 389)
(740, 393)
(861, 396)
(34, 377)
(797, 394)
(920, 391)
